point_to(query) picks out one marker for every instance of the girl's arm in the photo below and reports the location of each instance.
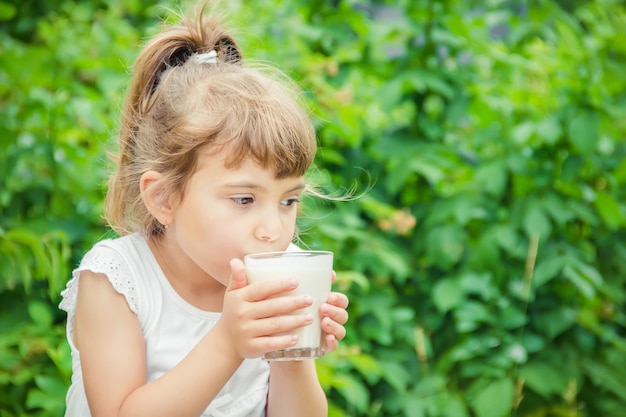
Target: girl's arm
(112, 349)
(113, 359)
(295, 390)
(294, 387)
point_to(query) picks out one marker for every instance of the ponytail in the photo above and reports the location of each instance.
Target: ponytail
(169, 49)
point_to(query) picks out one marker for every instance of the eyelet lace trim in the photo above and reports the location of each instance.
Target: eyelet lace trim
(105, 261)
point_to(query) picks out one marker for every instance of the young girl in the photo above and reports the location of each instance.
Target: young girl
(161, 321)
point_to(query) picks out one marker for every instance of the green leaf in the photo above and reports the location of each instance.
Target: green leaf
(574, 275)
(556, 322)
(23, 271)
(610, 210)
(546, 270)
(40, 314)
(346, 279)
(445, 245)
(430, 385)
(7, 11)
(47, 395)
(428, 169)
(507, 238)
(495, 400)
(549, 130)
(470, 315)
(492, 177)
(424, 80)
(523, 132)
(533, 342)
(536, 222)
(544, 378)
(41, 263)
(447, 294)
(368, 367)
(454, 407)
(353, 390)
(480, 284)
(473, 347)
(606, 376)
(583, 132)
(396, 375)
(511, 316)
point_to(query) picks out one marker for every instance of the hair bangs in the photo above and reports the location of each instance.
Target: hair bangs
(270, 128)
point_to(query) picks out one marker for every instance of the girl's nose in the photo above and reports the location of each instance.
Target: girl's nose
(269, 228)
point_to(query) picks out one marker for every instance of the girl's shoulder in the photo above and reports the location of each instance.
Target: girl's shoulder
(129, 244)
(122, 260)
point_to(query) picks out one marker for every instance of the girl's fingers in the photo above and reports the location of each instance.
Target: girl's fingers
(264, 309)
(337, 314)
(261, 345)
(331, 343)
(332, 328)
(278, 306)
(238, 278)
(334, 316)
(282, 324)
(338, 299)
(265, 289)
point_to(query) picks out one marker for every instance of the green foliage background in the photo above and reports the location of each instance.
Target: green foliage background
(486, 264)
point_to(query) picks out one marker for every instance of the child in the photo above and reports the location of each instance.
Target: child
(161, 321)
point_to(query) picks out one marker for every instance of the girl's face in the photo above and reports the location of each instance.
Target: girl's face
(228, 213)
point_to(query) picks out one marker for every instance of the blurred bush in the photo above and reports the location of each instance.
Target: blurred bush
(486, 263)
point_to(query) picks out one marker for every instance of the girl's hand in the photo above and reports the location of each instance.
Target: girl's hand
(334, 316)
(252, 319)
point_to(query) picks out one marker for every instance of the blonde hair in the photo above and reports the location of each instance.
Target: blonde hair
(177, 107)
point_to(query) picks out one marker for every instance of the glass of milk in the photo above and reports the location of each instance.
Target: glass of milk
(313, 270)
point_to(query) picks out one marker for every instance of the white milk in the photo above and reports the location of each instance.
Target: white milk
(314, 275)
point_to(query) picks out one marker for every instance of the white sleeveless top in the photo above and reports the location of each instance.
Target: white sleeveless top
(171, 327)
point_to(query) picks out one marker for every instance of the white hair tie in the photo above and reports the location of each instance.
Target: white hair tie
(207, 58)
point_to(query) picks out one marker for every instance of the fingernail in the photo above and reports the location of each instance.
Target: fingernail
(329, 325)
(308, 318)
(308, 300)
(293, 282)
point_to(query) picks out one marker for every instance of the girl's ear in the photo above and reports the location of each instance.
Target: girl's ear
(157, 203)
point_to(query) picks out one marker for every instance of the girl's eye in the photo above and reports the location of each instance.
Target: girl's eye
(290, 201)
(242, 200)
